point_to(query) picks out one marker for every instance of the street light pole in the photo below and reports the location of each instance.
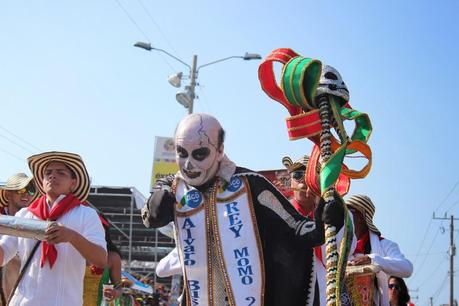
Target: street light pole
(193, 77)
(187, 97)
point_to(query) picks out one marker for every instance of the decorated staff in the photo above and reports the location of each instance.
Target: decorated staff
(317, 99)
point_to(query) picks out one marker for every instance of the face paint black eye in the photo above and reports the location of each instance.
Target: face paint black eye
(182, 153)
(200, 154)
(331, 76)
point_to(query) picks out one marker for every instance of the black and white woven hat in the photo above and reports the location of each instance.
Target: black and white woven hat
(38, 163)
(292, 166)
(16, 182)
(366, 207)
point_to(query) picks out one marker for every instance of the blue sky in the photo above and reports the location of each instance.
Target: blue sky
(72, 80)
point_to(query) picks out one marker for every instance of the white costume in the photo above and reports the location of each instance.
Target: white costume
(64, 282)
(386, 254)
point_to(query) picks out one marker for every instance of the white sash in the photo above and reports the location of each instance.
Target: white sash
(229, 217)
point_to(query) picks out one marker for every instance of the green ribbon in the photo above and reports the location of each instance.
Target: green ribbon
(300, 78)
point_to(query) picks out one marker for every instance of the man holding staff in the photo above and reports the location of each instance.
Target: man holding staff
(54, 274)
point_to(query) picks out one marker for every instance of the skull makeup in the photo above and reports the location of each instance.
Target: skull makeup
(198, 148)
(332, 83)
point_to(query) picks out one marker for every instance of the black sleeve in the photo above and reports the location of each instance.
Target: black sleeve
(278, 215)
(159, 208)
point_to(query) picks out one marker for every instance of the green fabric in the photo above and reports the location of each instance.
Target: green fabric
(300, 78)
(331, 169)
(104, 280)
(363, 128)
(345, 249)
(287, 75)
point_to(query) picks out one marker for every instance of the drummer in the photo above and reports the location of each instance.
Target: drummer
(372, 248)
(17, 193)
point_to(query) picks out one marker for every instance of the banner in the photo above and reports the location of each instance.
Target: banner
(163, 159)
(279, 178)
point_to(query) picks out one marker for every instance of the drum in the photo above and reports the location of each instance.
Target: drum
(359, 285)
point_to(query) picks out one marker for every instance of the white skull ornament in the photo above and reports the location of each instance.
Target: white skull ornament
(332, 83)
(198, 148)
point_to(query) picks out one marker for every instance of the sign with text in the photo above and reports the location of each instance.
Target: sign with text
(163, 159)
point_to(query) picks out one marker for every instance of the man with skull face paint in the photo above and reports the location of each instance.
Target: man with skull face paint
(240, 241)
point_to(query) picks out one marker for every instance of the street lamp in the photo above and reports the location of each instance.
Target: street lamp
(187, 96)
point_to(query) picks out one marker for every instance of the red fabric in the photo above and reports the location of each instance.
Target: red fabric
(268, 80)
(360, 248)
(41, 209)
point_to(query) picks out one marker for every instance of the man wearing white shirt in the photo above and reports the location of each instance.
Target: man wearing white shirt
(55, 274)
(372, 248)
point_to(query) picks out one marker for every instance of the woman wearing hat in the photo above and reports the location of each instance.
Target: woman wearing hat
(54, 273)
(373, 248)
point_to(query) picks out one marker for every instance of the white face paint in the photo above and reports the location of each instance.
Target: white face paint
(197, 152)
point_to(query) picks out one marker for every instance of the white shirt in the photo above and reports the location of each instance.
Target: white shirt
(63, 284)
(386, 254)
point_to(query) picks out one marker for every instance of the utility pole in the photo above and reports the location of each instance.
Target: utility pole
(193, 77)
(452, 253)
(431, 301)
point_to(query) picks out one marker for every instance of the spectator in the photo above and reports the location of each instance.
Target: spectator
(398, 292)
(372, 248)
(18, 192)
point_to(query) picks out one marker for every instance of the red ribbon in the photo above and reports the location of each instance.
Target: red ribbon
(268, 80)
(40, 208)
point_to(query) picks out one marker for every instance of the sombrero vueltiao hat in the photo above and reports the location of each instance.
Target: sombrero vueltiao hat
(292, 166)
(366, 207)
(16, 182)
(38, 163)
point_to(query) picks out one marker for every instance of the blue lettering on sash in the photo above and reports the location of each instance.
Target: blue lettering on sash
(188, 249)
(244, 268)
(233, 216)
(194, 291)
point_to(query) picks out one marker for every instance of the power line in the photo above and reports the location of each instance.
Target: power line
(12, 155)
(430, 222)
(132, 20)
(157, 26)
(447, 196)
(20, 138)
(142, 32)
(430, 275)
(454, 204)
(17, 144)
(425, 258)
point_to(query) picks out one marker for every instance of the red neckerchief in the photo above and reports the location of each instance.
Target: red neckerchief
(300, 209)
(360, 248)
(40, 208)
(317, 249)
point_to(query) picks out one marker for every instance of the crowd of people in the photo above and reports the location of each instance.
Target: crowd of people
(239, 240)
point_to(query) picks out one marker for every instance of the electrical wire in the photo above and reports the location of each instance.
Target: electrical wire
(425, 258)
(13, 155)
(430, 223)
(17, 144)
(132, 20)
(157, 27)
(21, 139)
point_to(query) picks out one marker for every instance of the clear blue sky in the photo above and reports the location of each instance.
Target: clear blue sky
(72, 80)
